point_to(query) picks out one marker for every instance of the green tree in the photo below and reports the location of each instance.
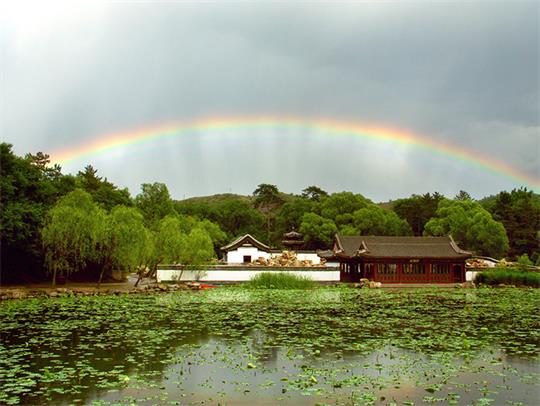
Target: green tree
(266, 196)
(471, 226)
(267, 199)
(339, 207)
(524, 261)
(171, 241)
(216, 234)
(417, 210)
(237, 217)
(314, 193)
(75, 234)
(199, 249)
(128, 239)
(28, 189)
(154, 202)
(519, 212)
(463, 195)
(102, 191)
(369, 221)
(289, 217)
(165, 244)
(373, 220)
(318, 231)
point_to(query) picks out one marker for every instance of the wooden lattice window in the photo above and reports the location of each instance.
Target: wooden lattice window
(387, 269)
(440, 269)
(414, 268)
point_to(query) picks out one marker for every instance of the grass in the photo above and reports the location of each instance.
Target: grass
(509, 276)
(279, 280)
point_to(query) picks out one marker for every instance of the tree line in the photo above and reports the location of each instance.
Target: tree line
(84, 226)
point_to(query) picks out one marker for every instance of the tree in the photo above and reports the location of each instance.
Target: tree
(74, 234)
(462, 195)
(519, 212)
(266, 200)
(339, 207)
(314, 193)
(165, 244)
(373, 220)
(417, 210)
(237, 217)
(199, 249)
(318, 231)
(154, 202)
(471, 226)
(369, 221)
(171, 241)
(289, 217)
(28, 189)
(266, 196)
(216, 234)
(102, 191)
(128, 239)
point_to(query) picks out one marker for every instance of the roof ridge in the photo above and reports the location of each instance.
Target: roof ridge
(455, 246)
(231, 244)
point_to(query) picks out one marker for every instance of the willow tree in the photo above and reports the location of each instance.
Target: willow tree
(164, 245)
(74, 234)
(198, 250)
(170, 240)
(128, 239)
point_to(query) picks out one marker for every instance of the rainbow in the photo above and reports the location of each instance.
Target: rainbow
(112, 141)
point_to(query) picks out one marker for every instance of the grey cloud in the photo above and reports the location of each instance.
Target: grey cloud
(466, 73)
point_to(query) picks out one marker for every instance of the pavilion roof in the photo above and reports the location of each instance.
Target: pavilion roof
(397, 247)
(245, 240)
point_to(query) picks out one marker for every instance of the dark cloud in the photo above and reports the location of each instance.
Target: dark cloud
(465, 73)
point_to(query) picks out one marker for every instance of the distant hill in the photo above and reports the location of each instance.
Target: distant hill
(222, 197)
(216, 198)
(386, 205)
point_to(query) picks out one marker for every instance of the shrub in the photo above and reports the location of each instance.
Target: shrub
(279, 280)
(510, 276)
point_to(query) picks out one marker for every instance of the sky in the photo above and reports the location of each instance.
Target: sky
(460, 74)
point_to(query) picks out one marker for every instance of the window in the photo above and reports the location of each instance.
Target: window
(440, 269)
(247, 259)
(414, 269)
(387, 269)
(368, 269)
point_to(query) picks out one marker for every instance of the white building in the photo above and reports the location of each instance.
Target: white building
(245, 250)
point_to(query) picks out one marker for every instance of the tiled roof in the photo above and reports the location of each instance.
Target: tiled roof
(398, 247)
(245, 240)
(326, 254)
(292, 235)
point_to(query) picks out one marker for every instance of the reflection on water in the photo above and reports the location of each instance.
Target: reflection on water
(231, 346)
(222, 372)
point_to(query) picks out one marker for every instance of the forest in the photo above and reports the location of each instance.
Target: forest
(84, 226)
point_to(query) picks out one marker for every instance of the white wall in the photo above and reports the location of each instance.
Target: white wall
(237, 256)
(224, 275)
(312, 256)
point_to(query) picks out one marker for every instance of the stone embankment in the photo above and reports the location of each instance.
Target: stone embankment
(24, 293)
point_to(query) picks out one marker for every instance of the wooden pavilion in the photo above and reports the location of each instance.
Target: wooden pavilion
(400, 259)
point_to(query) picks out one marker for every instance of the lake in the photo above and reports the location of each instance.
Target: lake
(234, 346)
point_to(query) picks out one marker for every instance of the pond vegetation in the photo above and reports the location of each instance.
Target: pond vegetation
(509, 276)
(279, 280)
(240, 346)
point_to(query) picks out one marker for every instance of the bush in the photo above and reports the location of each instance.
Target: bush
(509, 276)
(279, 280)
